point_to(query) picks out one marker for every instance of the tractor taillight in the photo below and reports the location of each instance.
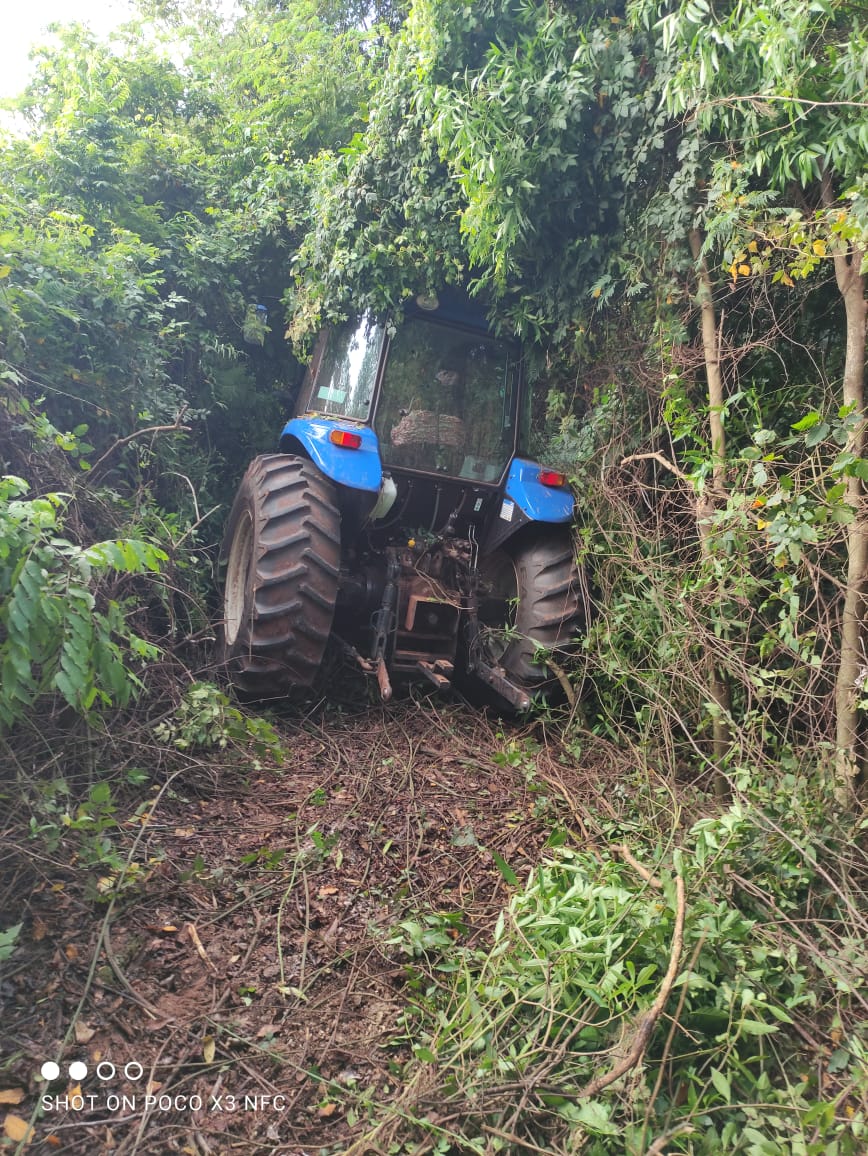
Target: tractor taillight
(343, 437)
(551, 478)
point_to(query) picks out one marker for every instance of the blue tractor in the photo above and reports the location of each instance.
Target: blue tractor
(401, 521)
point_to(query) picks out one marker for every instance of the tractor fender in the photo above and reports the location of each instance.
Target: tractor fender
(537, 502)
(358, 468)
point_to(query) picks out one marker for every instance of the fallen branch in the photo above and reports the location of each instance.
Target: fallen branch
(561, 675)
(515, 1141)
(716, 487)
(176, 427)
(673, 1027)
(645, 1024)
(661, 1141)
(193, 936)
(655, 457)
(628, 857)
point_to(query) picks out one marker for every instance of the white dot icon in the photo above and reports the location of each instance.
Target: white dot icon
(49, 1070)
(77, 1070)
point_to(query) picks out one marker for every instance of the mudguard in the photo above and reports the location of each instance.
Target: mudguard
(537, 502)
(359, 469)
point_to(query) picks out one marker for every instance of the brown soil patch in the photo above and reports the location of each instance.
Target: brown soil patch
(249, 975)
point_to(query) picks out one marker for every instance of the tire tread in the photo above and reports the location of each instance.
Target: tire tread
(290, 601)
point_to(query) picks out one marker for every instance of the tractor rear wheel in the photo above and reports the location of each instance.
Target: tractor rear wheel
(282, 553)
(535, 602)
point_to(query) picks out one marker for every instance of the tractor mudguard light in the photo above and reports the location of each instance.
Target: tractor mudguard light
(360, 469)
(538, 501)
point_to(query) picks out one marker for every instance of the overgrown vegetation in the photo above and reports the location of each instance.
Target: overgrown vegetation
(676, 1002)
(669, 202)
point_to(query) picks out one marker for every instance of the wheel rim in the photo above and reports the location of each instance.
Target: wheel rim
(237, 578)
(497, 605)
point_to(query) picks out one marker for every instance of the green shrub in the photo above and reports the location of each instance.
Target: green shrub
(205, 720)
(576, 963)
(56, 635)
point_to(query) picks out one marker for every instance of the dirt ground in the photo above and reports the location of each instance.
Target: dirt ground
(242, 994)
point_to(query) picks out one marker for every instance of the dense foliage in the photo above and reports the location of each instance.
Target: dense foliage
(669, 200)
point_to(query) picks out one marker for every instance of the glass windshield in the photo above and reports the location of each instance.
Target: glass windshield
(448, 401)
(343, 385)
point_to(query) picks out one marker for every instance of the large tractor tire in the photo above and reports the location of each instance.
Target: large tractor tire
(282, 553)
(536, 600)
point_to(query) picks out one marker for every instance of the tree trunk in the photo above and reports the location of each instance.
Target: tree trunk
(711, 351)
(851, 284)
(718, 684)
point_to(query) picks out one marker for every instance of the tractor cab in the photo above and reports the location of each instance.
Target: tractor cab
(441, 399)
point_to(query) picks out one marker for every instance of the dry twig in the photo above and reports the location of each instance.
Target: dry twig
(663, 461)
(176, 427)
(646, 1022)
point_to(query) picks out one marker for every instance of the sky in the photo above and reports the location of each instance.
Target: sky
(24, 24)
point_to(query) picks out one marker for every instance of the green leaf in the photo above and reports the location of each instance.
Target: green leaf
(817, 434)
(807, 422)
(843, 515)
(779, 1013)
(504, 868)
(67, 688)
(8, 940)
(594, 1114)
(722, 1084)
(756, 1028)
(100, 793)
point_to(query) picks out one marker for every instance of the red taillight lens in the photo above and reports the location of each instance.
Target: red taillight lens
(343, 437)
(551, 478)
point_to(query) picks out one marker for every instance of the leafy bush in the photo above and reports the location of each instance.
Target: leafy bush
(205, 720)
(55, 635)
(577, 962)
